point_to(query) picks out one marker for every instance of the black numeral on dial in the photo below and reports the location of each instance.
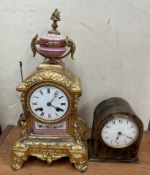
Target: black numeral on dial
(42, 113)
(34, 103)
(56, 93)
(120, 121)
(48, 91)
(49, 115)
(63, 103)
(41, 92)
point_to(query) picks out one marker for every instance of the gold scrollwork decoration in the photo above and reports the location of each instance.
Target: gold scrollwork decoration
(44, 76)
(79, 131)
(44, 151)
(23, 125)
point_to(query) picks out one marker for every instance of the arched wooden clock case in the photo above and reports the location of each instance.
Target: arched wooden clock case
(105, 113)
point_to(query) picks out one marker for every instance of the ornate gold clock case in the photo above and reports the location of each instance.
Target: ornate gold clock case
(50, 126)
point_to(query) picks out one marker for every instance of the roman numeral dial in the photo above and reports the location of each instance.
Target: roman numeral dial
(48, 103)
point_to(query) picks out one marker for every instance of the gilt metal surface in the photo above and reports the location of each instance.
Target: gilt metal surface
(51, 146)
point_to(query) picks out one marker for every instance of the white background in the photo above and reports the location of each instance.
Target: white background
(112, 57)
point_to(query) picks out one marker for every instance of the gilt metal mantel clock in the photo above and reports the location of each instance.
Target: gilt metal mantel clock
(50, 126)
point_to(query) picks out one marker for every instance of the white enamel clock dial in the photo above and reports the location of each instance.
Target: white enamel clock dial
(48, 103)
(119, 132)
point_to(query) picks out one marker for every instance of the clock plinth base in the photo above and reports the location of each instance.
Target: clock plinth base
(47, 151)
(105, 158)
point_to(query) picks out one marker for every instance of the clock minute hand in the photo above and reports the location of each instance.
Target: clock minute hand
(126, 136)
(55, 95)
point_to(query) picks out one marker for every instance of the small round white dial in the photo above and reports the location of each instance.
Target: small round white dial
(119, 132)
(48, 103)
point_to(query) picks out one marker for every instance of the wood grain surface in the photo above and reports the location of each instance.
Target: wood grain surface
(35, 166)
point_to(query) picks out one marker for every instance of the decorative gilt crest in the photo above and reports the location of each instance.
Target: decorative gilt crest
(48, 75)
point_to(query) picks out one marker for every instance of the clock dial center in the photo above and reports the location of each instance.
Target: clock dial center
(119, 133)
(49, 104)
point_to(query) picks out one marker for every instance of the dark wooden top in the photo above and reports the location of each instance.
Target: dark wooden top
(35, 166)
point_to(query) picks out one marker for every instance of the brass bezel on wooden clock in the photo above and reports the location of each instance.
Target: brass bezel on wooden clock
(59, 86)
(132, 118)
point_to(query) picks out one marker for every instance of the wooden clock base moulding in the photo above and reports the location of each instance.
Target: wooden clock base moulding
(106, 158)
(47, 151)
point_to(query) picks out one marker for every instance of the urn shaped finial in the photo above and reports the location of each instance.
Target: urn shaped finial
(53, 46)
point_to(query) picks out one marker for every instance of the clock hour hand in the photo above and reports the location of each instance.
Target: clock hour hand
(117, 138)
(39, 109)
(57, 108)
(119, 133)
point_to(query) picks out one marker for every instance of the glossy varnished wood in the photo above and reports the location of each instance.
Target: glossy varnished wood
(36, 167)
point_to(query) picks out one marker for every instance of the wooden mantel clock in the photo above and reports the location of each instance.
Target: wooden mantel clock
(50, 126)
(116, 132)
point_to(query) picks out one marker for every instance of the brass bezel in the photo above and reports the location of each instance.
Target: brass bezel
(123, 115)
(57, 85)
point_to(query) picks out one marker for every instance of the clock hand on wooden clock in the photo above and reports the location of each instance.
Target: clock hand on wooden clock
(126, 136)
(120, 133)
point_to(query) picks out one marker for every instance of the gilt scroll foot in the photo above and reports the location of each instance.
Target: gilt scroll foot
(81, 166)
(18, 159)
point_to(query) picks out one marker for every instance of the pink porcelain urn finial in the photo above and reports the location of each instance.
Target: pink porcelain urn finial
(53, 46)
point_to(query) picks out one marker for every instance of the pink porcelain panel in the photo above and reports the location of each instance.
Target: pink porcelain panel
(53, 38)
(52, 52)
